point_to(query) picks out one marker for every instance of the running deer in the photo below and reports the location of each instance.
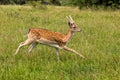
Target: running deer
(53, 39)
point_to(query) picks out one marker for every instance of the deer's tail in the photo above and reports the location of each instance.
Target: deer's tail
(28, 31)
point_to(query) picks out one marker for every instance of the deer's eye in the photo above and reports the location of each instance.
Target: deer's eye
(74, 27)
(71, 24)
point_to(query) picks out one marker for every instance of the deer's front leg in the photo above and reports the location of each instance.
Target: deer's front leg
(72, 50)
(57, 53)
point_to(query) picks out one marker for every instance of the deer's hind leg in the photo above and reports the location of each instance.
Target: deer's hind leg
(32, 46)
(27, 42)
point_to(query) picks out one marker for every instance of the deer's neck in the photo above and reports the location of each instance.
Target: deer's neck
(68, 36)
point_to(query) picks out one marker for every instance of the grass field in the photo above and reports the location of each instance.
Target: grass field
(99, 42)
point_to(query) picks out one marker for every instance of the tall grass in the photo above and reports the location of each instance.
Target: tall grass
(99, 41)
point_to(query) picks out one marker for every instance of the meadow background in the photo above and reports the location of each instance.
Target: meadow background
(99, 42)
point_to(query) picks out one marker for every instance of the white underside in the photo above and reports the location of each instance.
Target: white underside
(49, 43)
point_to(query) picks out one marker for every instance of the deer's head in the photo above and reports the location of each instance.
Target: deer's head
(72, 25)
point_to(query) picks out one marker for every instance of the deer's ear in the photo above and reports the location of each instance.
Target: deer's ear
(67, 18)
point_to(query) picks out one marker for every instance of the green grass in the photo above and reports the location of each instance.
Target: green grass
(99, 41)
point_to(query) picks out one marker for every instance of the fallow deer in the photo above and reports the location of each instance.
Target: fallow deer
(53, 39)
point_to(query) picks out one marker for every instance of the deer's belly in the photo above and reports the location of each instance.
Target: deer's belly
(49, 43)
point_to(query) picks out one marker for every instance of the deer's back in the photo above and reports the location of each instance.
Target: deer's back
(39, 33)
